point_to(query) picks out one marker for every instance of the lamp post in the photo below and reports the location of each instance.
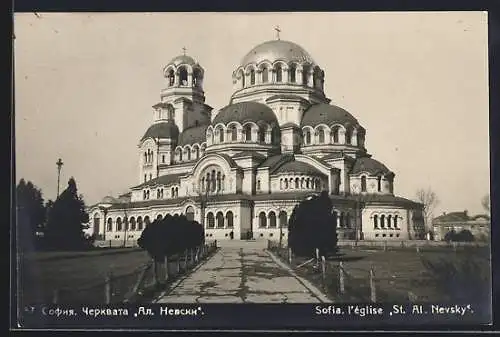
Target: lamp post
(59, 164)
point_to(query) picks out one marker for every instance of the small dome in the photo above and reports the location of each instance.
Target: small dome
(193, 135)
(298, 167)
(246, 111)
(108, 200)
(326, 114)
(277, 50)
(183, 59)
(367, 164)
(162, 130)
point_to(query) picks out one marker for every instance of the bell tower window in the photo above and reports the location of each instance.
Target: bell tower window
(252, 77)
(183, 76)
(265, 75)
(279, 73)
(292, 72)
(363, 184)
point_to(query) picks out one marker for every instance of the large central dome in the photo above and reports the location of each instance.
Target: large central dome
(277, 50)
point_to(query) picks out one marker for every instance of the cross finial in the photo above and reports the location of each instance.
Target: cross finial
(184, 50)
(59, 163)
(278, 30)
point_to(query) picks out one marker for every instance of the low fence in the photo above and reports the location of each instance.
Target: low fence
(342, 281)
(116, 243)
(131, 286)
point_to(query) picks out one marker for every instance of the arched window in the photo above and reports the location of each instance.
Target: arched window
(321, 136)
(258, 185)
(183, 76)
(262, 135)
(140, 225)
(158, 194)
(147, 221)
(265, 75)
(179, 154)
(279, 73)
(197, 152)
(379, 183)
(220, 220)
(252, 77)
(210, 220)
(341, 220)
(171, 77)
(335, 134)
(163, 159)
(348, 136)
(305, 75)
(297, 182)
(190, 213)
(234, 134)
(262, 220)
(335, 218)
(389, 217)
(363, 184)
(133, 224)
(292, 73)
(221, 135)
(382, 221)
(118, 224)
(286, 183)
(307, 137)
(229, 219)
(348, 220)
(219, 182)
(282, 218)
(176, 192)
(242, 75)
(302, 185)
(145, 157)
(188, 153)
(150, 177)
(272, 219)
(308, 183)
(248, 133)
(144, 194)
(375, 221)
(396, 222)
(110, 225)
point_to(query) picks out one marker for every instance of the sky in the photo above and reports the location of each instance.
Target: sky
(417, 82)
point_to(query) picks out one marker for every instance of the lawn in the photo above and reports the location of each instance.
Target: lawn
(78, 277)
(399, 274)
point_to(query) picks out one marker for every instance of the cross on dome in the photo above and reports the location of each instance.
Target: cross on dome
(278, 30)
(184, 51)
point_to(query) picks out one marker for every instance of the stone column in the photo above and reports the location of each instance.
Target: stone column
(310, 78)
(190, 79)
(298, 75)
(285, 75)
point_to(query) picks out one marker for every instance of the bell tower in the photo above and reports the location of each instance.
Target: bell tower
(184, 92)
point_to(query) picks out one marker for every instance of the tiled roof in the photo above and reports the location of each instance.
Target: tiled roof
(193, 135)
(167, 179)
(289, 97)
(245, 111)
(370, 165)
(452, 217)
(326, 114)
(162, 130)
(297, 167)
(273, 160)
(248, 154)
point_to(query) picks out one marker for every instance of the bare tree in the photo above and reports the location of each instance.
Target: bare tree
(485, 202)
(430, 200)
(205, 195)
(126, 204)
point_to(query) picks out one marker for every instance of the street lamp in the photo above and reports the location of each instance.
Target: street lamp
(105, 205)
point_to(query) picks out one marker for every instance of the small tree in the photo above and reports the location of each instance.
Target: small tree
(429, 199)
(67, 221)
(464, 236)
(311, 226)
(485, 202)
(450, 236)
(30, 213)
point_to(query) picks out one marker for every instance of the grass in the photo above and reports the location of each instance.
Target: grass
(400, 274)
(38, 278)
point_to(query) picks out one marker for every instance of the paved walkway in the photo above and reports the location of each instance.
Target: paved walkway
(242, 273)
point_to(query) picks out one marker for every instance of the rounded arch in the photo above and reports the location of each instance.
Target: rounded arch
(109, 224)
(262, 219)
(118, 224)
(241, 78)
(210, 220)
(272, 219)
(229, 219)
(190, 213)
(147, 220)
(292, 72)
(140, 224)
(133, 224)
(220, 219)
(283, 219)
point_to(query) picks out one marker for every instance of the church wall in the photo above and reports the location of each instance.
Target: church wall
(368, 228)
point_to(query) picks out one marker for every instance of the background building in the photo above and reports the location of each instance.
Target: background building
(240, 170)
(478, 225)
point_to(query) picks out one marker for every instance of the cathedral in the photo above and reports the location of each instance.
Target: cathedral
(240, 170)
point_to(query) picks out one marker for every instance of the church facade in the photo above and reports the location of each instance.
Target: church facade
(240, 170)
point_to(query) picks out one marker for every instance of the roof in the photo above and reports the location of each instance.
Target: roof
(328, 114)
(248, 154)
(193, 135)
(167, 179)
(162, 130)
(459, 217)
(367, 164)
(182, 59)
(297, 167)
(277, 50)
(245, 111)
(273, 160)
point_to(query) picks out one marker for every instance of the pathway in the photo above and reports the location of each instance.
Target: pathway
(242, 272)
